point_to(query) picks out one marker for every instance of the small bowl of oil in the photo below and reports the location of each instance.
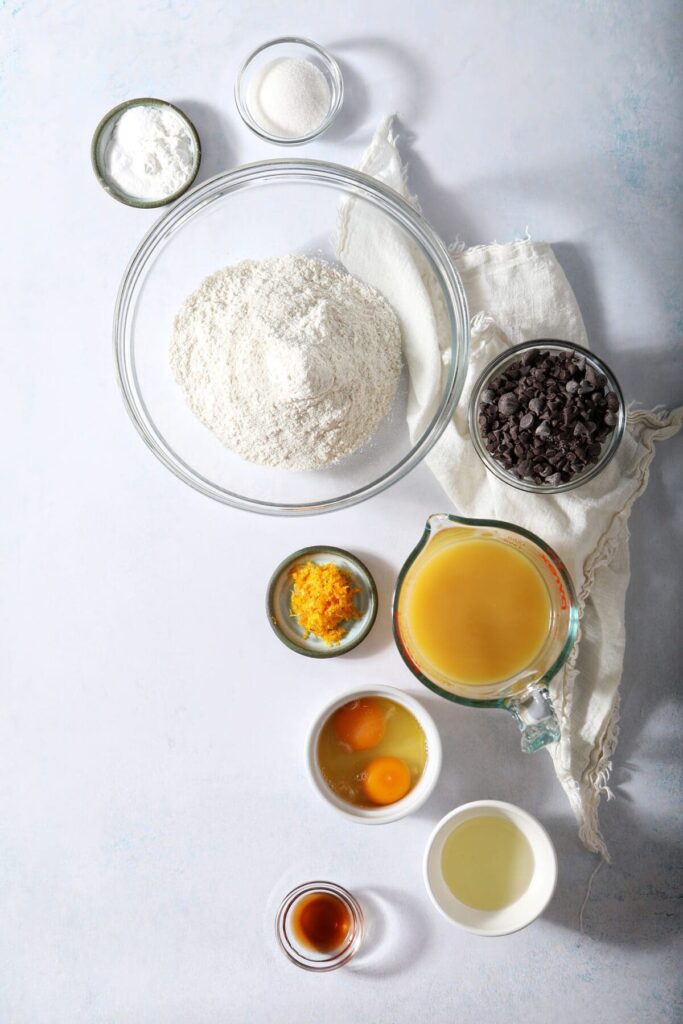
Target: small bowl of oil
(319, 926)
(374, 754)
(287, 625)
(490, 867)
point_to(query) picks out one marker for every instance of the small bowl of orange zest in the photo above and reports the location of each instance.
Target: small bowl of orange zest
(321, 602)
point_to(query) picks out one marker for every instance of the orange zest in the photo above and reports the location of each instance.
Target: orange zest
(322, 599)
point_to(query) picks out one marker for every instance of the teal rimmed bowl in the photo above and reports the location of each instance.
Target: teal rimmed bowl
(286, 626)
(102, 137)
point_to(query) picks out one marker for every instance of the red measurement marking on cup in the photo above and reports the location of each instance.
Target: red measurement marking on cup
(564, 604)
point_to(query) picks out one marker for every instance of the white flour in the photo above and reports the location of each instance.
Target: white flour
(288, 361)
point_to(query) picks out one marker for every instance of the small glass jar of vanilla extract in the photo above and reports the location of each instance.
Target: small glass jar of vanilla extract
(319, 926)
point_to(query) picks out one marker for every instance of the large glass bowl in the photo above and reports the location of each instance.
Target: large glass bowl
(270, 209)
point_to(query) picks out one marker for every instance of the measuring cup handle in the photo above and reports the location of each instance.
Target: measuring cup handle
(536, 718)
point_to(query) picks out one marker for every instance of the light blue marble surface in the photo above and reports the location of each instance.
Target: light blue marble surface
(153, 801)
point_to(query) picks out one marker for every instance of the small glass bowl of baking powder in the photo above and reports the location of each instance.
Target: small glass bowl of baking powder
(289, 91)
(145, 152)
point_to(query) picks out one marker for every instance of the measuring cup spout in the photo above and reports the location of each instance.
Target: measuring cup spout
(536, 719)
(441, 521)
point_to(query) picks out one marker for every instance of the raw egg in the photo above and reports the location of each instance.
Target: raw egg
(360, 746)
(387, 779)
(360, 724)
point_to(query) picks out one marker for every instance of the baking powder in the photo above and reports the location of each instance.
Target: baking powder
(151, 153)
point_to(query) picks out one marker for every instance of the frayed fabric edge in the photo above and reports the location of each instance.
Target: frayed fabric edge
(588, 893)
(585, 796)
(481, 322)
(388, 132)
(460, 248)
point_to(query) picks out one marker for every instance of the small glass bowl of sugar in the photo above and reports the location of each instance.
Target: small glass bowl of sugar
(145, 152)
(289, 91)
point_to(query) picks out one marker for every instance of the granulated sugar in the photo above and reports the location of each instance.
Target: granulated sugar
(289, 97)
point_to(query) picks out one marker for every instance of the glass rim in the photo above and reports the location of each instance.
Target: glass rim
(335, 100)
(315, 172)
(610, 445)
(572, 627)
(338, 957)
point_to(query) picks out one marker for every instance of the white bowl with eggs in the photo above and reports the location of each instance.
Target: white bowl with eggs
(520, 911)
(416, 797)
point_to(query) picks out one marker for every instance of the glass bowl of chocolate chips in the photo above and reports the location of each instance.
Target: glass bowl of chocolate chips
(546, 416)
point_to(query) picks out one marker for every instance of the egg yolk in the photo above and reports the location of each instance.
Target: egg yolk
(359, 724)
(387, 779)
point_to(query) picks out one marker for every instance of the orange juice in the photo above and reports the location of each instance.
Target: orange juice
(477, 610)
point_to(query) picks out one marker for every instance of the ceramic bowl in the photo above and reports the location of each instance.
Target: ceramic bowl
(418, 794)
(530, 904)
(286, 627)
(102, 136)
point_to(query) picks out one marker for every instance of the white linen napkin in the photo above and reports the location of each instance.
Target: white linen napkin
(518, 292)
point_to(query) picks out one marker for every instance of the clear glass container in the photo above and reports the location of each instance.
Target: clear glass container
(525, 694)
(301, 954)
(283, 48)
(276, 208)
(498, 366)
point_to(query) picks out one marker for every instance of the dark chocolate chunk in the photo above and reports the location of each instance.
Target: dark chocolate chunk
(546, 416)
(508, 404)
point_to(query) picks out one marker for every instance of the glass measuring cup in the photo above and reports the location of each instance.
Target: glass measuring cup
(526, 693)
